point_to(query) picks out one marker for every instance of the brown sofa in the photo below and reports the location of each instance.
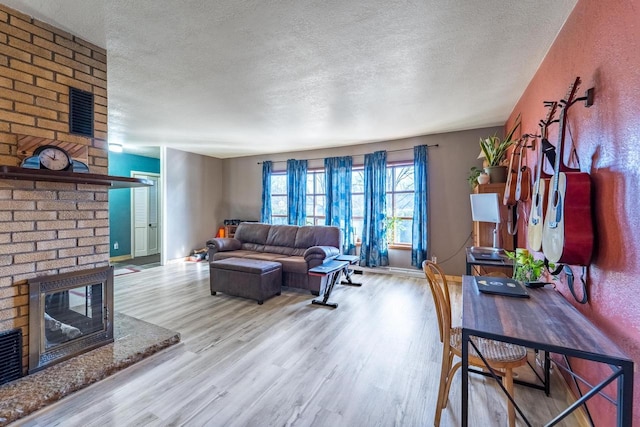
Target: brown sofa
(296, 248)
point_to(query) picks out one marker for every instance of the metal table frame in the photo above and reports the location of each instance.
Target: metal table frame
(546, 321)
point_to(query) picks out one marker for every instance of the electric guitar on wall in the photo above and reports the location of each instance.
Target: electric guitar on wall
(567, 235)
(538, 200)
(523, 183)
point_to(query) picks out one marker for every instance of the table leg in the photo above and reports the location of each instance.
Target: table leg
(348, 273)
(465, 378)
(333, 278)
(547, 369)
(625, 395)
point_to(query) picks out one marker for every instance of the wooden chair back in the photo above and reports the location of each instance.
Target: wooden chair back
(440, 291)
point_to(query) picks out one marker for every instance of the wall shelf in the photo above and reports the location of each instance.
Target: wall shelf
(114, 182)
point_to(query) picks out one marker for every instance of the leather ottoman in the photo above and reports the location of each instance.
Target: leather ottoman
(247, 278)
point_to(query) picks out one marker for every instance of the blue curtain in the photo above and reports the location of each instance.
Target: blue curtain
(374, 250)
(338, 204)
(265, 213)
(296, 191)
(419, 238)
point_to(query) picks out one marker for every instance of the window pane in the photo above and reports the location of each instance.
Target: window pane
(309, 183)
(403, 204)
(389, 204)
(279, 220)
(279, 205)
(389, 183)
(404, 178)
(357, 181)
(320, 188)
(357, 229)
(309, 206)
(278, 184)
(320, 206)
(404, 231)
(357, 205)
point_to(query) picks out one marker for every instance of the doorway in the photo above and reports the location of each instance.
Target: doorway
(146, 236)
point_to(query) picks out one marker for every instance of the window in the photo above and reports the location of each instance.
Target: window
(279, 198)
(400, 191)
(316, 198)
(357, 201)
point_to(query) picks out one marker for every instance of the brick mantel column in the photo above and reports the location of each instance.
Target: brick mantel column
(47, 228)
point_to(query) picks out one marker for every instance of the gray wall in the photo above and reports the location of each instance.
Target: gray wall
(192, 201)
(450, 215)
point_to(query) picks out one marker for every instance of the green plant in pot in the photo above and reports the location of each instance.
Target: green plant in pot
(472, 179)
(525, 267)
(494, 152)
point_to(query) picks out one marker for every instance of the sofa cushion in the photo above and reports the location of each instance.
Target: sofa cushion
(317, 235)
(252, 247)
(266, 256)
(248, 232)
(280, 239)
(293, 264)
(231, 254)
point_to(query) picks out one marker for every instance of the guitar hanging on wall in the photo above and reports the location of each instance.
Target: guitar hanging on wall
(523, 182)
(538, 200)
(567, 235)
(510, 198)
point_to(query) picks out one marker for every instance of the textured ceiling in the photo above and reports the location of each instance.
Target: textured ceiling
(230, 78)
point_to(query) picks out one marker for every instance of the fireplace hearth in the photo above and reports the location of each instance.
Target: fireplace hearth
(69, 314)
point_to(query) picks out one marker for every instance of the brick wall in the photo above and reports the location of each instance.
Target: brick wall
(47, 228)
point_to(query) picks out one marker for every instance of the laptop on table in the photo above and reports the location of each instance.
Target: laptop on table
(501, 286)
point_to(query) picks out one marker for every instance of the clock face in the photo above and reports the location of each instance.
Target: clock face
(54, 158)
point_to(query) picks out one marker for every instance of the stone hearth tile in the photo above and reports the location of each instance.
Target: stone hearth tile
(134, 340)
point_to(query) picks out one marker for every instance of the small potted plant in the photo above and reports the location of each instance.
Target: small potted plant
(477, 176)
(525, 267)
(494, 152)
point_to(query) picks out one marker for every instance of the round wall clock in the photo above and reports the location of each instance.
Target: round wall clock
(53, 158)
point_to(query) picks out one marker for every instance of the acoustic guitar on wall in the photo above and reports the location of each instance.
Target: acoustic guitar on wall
(567, 235)
(509, 197)
(538, 198)
(523, 181)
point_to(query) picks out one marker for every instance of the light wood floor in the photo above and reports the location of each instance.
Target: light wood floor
(374, 361)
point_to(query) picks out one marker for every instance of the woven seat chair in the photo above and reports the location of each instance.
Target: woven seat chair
(502, 357)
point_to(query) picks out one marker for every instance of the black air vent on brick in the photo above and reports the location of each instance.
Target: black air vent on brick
(80, 112)
(10, 355)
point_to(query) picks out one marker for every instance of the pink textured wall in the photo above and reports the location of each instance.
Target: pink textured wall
(600, 42)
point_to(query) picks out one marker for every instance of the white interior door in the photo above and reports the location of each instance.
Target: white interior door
(153, 236)
(145, 216)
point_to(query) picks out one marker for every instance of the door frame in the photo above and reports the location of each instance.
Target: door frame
(158, 208)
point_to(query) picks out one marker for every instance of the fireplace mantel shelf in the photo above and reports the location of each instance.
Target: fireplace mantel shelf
(15, 172)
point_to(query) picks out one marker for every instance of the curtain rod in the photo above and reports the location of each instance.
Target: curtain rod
(388, 151)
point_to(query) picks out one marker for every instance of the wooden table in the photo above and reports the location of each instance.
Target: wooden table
(332, 269)
(548, 322)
